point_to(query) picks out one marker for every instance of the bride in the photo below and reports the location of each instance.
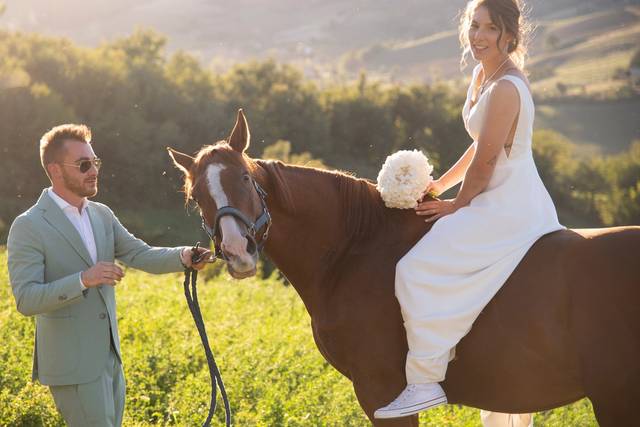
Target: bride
(500, 211)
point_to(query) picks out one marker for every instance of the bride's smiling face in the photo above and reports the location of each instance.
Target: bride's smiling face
(484, 35)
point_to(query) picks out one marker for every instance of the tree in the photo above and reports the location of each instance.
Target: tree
(621, 200)
(280, 105)
(635, 59)
(281, 150)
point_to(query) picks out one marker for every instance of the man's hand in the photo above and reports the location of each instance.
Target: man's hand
(103, 273)
(203, 255)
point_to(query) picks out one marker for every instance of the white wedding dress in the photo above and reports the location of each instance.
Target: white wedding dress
(455, 269)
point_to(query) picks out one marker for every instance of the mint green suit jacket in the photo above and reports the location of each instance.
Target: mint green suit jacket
(74, 327)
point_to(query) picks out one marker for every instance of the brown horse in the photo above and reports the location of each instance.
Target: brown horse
(565, 325)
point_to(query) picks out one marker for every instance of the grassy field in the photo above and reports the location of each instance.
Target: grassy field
(261, 335)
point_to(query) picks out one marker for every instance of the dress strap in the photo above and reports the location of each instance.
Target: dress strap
(524, 127)
(520, 85)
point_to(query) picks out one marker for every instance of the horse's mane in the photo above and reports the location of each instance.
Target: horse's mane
(363, 206)
(360, 203)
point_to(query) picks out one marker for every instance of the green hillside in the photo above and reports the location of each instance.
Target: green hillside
(261, 336)
(597, 127)
(579, 70)
(587, 55)
(581, 49)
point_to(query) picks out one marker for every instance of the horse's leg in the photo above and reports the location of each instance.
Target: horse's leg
(608, 340)
(614, 393)
(615, 408)
(374, 394)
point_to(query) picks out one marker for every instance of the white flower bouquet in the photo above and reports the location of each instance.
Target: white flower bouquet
(404, 178)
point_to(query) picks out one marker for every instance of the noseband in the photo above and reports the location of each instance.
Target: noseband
(263, 221)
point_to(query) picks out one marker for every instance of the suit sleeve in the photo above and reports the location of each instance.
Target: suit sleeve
(26, 273)
(137, 254)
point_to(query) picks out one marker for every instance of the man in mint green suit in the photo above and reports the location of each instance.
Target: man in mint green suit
(62, 271)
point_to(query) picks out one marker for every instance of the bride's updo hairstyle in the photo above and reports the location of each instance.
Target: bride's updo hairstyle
(509, 16)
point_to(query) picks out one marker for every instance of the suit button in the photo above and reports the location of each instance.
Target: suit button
(62, 297)
(103, 315)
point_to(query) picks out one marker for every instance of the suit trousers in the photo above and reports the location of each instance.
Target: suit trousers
(99, 403)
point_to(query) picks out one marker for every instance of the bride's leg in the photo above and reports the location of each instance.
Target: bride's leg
(427, 332)
(499, 419)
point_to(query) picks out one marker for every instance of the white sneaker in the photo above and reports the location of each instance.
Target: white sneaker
(413, 399)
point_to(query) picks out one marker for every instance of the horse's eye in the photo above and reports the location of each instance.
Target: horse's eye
(246, 177)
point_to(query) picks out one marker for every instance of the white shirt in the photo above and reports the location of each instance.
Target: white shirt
(81, 222)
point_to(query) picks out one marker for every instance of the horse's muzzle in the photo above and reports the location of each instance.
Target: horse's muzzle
(243, 266)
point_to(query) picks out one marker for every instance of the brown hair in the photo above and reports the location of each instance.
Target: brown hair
(52, 142)
(509, 16)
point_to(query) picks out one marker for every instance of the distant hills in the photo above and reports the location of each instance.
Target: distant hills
(582, 48)
(399, 39)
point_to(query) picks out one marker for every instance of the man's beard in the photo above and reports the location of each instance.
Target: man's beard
(76, 187)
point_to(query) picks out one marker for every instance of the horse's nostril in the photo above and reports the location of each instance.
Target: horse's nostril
(252, 247)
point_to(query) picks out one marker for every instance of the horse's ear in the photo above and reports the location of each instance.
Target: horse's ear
(240, 136)
(181, 160)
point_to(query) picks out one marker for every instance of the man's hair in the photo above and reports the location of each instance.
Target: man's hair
(52, 142)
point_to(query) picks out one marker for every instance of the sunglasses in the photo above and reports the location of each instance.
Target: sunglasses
(85, 165)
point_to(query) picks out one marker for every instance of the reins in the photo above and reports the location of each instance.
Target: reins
(191, 291)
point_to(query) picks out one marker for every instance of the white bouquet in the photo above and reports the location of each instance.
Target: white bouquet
(404, 178)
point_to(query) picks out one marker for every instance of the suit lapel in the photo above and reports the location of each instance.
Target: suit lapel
(59, 221)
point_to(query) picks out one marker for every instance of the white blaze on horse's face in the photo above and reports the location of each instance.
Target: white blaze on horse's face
(233, 242)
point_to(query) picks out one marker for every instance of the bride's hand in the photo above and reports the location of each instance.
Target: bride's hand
(436, 208)
(435, 188)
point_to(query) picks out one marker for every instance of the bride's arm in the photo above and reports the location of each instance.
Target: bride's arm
(456, 173)
(502, 109)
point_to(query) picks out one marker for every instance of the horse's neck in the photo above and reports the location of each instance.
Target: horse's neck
(305, 225)
(309, 237)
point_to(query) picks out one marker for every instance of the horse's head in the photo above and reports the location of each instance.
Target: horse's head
(219, 179)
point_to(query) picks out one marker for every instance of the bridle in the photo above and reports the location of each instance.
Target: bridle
(263, 221)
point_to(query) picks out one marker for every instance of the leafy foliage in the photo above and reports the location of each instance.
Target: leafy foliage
(138, 100)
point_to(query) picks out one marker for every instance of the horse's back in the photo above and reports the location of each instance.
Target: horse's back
(521, 354)
(528, 344)
(605, 276)
(516, 349)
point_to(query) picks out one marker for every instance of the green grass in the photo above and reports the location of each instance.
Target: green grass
(164, 227)
(260, 333)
